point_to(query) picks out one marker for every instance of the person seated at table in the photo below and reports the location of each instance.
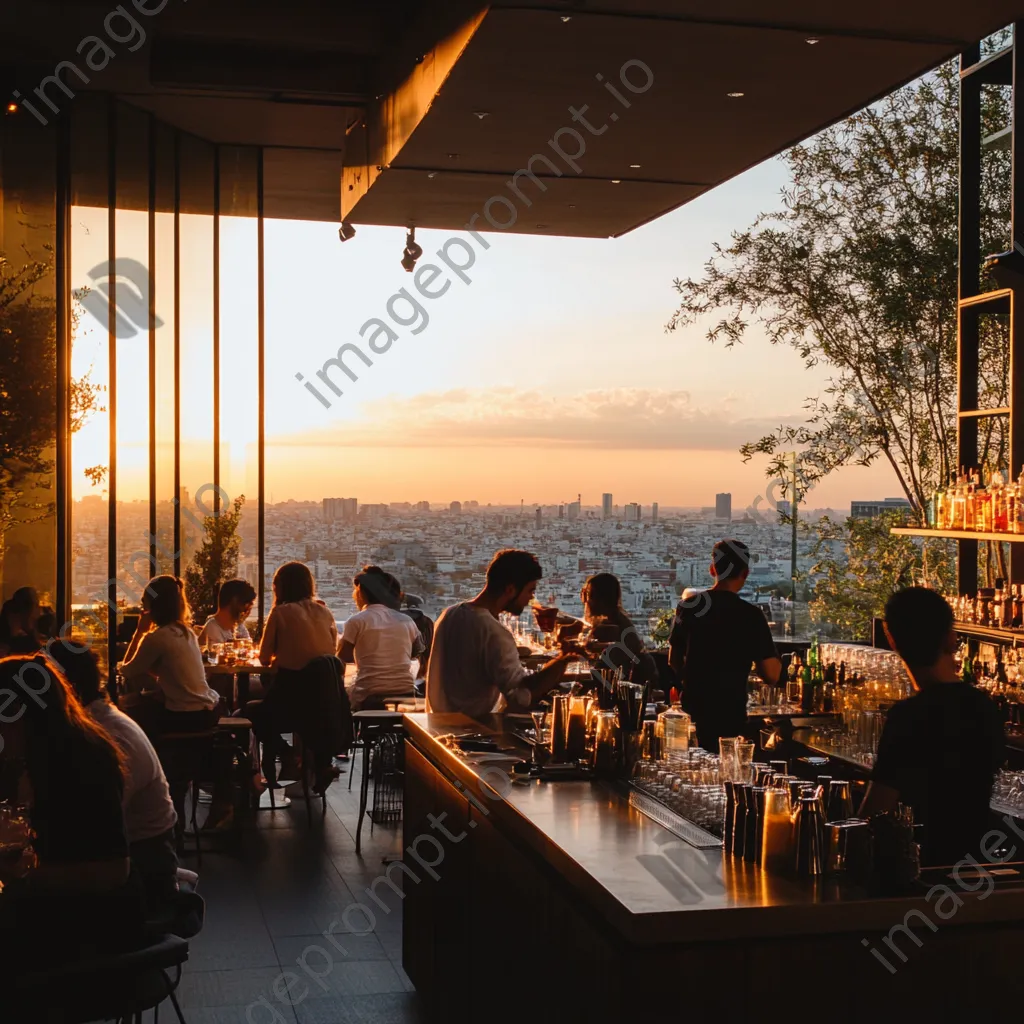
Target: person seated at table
(474, 666)
(412, 606)
(234, 603)
(149, 814)
(19, 617)
(941, 748)
(164, 651)
(76, 895)
(299, 629)
(609, 624)
(379, 640)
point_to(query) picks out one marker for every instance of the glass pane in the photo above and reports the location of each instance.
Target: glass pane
(164, 280)
(131, 242)
(196, 327)
(90, 369)
(28, 336)
(239, 366)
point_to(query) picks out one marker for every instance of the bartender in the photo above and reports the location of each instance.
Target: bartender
(716, 637)
(941, 748)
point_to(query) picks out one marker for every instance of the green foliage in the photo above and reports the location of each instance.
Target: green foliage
(858, 272)
(662, 628)
(215, 561)
(28, 391)
(854, 582)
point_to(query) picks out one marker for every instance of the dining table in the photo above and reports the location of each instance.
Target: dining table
(240, 671)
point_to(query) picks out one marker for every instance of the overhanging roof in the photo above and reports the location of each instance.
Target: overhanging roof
(303, 79)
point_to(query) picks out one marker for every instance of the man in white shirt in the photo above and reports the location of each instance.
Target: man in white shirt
(380, 640)
(234, 603)
(474, 662)
(149, 815)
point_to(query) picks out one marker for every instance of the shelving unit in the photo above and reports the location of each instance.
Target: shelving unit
(1000, 69)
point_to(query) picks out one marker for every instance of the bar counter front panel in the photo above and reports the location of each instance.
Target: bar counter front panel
(558, 901)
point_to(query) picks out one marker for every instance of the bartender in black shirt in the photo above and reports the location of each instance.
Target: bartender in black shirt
(940, 748)
(716, 637)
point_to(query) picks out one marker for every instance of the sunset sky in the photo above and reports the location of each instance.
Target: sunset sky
(549, 375)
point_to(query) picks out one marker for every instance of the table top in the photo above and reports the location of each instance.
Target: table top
(652, 886)
(249, 668)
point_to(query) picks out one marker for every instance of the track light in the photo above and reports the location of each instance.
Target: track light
(413, 251)
(346, 231)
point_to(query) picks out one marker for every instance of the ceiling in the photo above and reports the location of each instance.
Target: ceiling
(370, 110)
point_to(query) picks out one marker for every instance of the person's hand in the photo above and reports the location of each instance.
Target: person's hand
(145, 621)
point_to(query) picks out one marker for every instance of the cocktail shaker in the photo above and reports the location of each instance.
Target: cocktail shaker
(730, 811)
(777, 853)
(559, 726)
(807, 829)
(755, 827)
(840, 805)
(739, 824)
(849, 848)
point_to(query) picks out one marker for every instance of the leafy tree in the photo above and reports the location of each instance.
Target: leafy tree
(858, 272)
(215, 561)
(28, 392)
(853, 587)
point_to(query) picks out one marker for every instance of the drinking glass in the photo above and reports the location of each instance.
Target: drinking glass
(215, 653)
(727, 752)
(744, 758)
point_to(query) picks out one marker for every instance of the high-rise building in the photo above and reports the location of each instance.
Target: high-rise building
(606, 506)
(654, 511)
(632, 512)
(784, 507)
(340, 510)
(561, 511)
(455, 508)
(573, 509)
(537, 517)
(422, 506)
(723, 506)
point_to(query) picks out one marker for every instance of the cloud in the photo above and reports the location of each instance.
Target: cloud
(623, 418)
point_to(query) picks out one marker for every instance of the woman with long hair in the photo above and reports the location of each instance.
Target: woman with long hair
(299, 630)
(65, 768)
(165, 664)
(609, 624)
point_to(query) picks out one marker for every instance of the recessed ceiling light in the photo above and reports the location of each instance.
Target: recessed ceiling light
(813, 42)
(566, 18)
(453, 156)
(431, 174)
(481, 113)
(635, 167)
(542, 226)
(616, 181)
(735, 95)
(572, 206)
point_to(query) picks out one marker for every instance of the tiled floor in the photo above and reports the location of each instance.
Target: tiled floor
(283, 942)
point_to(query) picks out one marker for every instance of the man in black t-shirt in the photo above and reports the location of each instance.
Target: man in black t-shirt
(941, 748)
(716, 637)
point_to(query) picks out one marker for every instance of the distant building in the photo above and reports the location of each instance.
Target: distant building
(422, 506)
(455, 508)
(632, 512)
(870, 509)
(784, 507)
(537, 517)
(606, 506)
(340, 510)
(573, 509)
(372, 513)
(723, 506)
(561, 511)
(654, 511)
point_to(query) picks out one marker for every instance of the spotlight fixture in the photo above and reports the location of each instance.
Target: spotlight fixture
(413, 251)
(813, 42)
(735, 95)
(616, 181)
(566, 18)
(480, 114)
(12, 107)
(346, 231)
(634, 167)
(431, 174)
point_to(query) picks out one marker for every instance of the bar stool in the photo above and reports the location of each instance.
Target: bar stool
(186, 758)
(372, 726)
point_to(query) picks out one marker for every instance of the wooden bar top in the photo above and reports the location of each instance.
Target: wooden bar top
(655, 888)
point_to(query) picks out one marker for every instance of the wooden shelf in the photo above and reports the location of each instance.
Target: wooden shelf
(989, 632)
(915, 531)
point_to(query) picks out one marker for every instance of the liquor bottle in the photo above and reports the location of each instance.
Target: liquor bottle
(967, 671)
(959, 502)
(1018, 608)
(937, 519)
(806, 691)
(997, 605)
(992, 505)
(970, 502)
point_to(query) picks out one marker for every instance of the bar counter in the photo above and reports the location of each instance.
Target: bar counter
(566, 878)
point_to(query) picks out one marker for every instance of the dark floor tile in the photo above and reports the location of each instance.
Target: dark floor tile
(353, 948)
(228, 988)
(238, 952)
(275, 1013)
(359, 978)
(397, 1008)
